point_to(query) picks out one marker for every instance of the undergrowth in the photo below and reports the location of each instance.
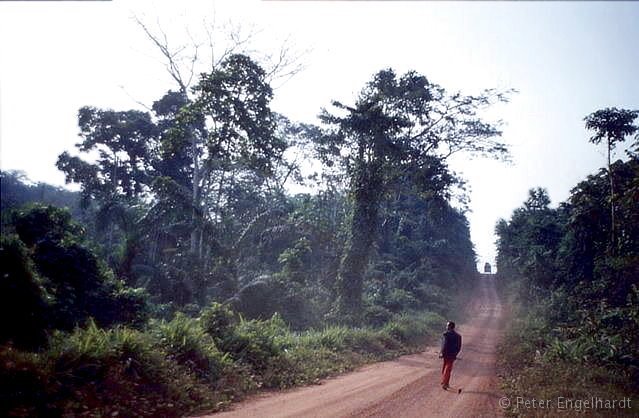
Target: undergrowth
(186, 365)
(543, 358)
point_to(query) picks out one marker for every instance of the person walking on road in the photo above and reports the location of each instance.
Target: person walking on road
(451, 346)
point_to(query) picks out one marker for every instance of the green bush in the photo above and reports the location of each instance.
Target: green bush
(333, 338)
(218, 321)
(101, 372)
(37, 222)
(87, 354)
(80, 284)
(366, 341)
(435, 299)
(303, 365)
(413, 330)
(118, 370)
(175, 367)
(24, 384)
(277, 293)
(376, 315)
(257, 342)
(24, 304)
(130, 305)
(188, 344)
(538, 359)
(400, 300)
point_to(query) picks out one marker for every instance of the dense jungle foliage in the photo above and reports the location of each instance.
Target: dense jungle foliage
(574, 272)
(185, 271)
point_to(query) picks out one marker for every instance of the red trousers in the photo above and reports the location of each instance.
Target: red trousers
(447, 368)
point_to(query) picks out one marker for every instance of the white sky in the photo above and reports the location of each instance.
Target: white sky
(567, 59)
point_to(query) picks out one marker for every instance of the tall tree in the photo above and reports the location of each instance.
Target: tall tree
(397, 126)
(611, 125)
(528, 243)
(235, 135)
(191, 160)
(123, 142)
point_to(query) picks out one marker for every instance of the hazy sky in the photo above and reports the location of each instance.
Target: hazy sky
(567, 59)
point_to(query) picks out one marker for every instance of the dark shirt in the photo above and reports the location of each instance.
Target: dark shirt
(451, 344)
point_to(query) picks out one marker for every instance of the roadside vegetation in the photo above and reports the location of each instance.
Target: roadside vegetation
(537, 362)
(184, 274)
(572, 276)
(80, 342)
(184, 366)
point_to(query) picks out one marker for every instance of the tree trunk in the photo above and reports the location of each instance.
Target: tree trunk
(613, 238)
(196, 196)
(363, 230)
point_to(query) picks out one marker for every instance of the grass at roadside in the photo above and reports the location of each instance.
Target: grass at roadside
(531, 370)
(190, 365)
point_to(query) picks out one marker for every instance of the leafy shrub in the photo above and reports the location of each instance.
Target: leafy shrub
(37, 222)
(398, 330)
(87, 354)
(434, 298)
(80, 284)
(119, 370)
(218, 321)
(376, 315)
(413, 330)
(302, 365)
(400, 300)
(278, 293)
(258, 299)
(188, 344)
(333, 338)
(534, 349)
(257, 342)
(24, 304)
(365, 340)
(294, 259)
(23, 383)
(175, 368)
(130, 305)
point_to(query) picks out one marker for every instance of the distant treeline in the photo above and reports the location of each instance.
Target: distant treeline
(17, 191)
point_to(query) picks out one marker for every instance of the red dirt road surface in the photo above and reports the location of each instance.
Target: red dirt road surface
(405, 387)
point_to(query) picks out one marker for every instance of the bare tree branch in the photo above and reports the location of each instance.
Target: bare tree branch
(182, 62)
(163, 45)
(135, 100)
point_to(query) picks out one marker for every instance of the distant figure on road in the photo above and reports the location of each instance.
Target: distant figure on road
(487, 268)
(451, 345)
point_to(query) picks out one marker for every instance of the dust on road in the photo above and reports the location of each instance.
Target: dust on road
(405, 387)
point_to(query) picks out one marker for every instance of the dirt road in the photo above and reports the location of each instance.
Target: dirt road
(407, 386)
